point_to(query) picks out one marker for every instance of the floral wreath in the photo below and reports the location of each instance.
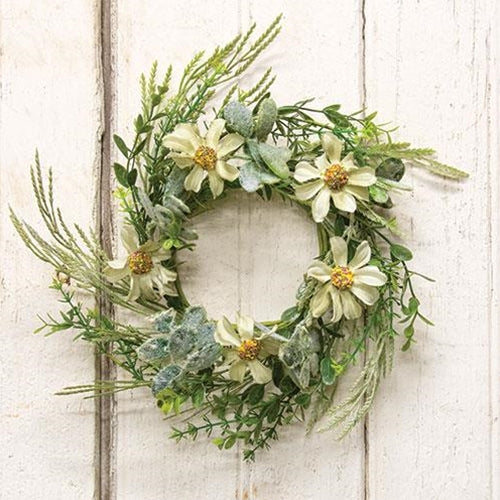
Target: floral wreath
(240, 381)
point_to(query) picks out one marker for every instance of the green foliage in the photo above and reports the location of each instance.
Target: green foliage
(178, 357)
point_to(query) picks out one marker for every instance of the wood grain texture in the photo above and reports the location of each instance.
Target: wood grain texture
(279, 242)
(434, 432)
(50, 99)
(147, 461)
(428, 67)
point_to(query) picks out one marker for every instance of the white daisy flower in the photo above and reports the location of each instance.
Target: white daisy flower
(345, 282)
(143, 266)
(332, 178)
(245, 348)
(206, 155)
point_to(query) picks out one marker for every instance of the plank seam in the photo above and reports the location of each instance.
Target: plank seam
(105, 418)
(362, 76)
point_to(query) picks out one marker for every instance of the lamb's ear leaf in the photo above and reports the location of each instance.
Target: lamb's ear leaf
(165, 378)
(154, 349)
(275, 157)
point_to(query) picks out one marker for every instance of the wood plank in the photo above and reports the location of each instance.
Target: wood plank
(147, 461)
(317, 54)
(50, 98)
(428, 67)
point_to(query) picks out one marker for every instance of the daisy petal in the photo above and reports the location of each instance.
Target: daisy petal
(305, 172)
(194, 179)
(115, 274)
(350, 307)
(228, 144)
(307, 191)
(362, 255)
(344, 201)
(182, 160)
(129, 238)
(320, 301)
(339, 250)
(216, 184)
(319, 271)
(260, 373)
(226, 170)
(225, 334)
(367, 294)
(321, 205)
(370, 275)
(322, 162)
(362, 176)
(135, 289)
(237, 371)
(214, 132)
(118, 263)
(336, 305)
(245, 326)
(332, 146)
(185, 138)
(359, 192)
(348, 162)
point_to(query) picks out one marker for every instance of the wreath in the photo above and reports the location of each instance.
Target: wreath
(237, 379)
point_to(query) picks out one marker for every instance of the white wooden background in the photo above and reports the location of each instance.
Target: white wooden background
(430, 65)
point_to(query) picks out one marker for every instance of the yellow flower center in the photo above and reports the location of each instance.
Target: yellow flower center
(335, 177)
(205, 157)
(342, 277)
(249, 349)
(140, 262)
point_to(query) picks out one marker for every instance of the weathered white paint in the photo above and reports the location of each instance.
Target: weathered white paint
(430, 66)
(50, 99)
(431, 428)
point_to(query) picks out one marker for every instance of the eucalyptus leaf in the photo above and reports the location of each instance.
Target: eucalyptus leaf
(378, 194)
(400, 252)
(266, 116)
(392, 169)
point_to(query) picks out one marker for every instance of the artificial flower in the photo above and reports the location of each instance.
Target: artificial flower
(345, 284)
(206, 155)
(332, 177)
(245, 348)
(143, 266)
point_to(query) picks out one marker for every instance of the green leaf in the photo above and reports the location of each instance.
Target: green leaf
(238, 119)
(413, 304)
(378, 194)
(121, 145)
(392, 169)
(121, 174)
(332, 113)
(266, 116)
(198, 396)
(219, 442)
(139, 147)
(132, 177)
(327, 371)
(230, 441)
(275, 158)
(303, 400)
(399, 252)
(255, 394)
(290, 314)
